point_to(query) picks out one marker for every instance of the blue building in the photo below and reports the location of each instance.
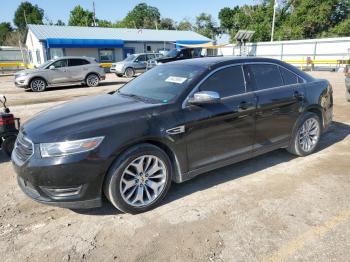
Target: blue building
(107, 45)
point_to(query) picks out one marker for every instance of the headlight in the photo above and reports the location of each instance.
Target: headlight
(69, 147)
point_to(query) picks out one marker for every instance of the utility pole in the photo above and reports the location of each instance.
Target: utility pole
(275, 5)
(93, 7)
(25, 17)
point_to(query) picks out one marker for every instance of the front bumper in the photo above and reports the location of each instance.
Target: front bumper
(117, 70)
(71, 182)
(21, 81)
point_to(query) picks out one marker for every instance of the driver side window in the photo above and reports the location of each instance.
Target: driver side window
(60, 63)
(227, 82)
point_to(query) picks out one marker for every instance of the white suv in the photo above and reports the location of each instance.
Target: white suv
(62, 71)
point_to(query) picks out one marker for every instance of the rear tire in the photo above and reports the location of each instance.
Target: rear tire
(92, 80)
(306, 135)
(348, 95)
(129, 72)
(8, 144)
(139, 179)
(38, 85)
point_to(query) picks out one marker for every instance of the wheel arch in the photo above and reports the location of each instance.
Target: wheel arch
(35, 77)
(316, 109)
(175, 163)
(92, 73)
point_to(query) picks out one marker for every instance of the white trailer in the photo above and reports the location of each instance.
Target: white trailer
(326, 53)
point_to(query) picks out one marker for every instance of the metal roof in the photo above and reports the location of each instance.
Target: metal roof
(43, 32)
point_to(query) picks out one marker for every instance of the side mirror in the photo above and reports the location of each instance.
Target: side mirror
(204, 97)
(52, 67)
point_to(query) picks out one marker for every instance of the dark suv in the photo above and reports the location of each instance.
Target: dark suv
(172, 123)
(175, 55)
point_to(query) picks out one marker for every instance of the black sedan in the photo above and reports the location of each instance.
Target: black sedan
(172, 123)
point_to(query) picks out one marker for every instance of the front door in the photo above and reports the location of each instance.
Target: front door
(140, 64)
(223, 131)
(277, 104)
(58, 74)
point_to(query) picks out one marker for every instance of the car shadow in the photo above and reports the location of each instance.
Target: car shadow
(337, 132)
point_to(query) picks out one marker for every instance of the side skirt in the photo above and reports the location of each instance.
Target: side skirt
(191, 174)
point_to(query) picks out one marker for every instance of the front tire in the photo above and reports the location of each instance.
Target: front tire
(306, 135)
(139, 179)
(92, 80)
(348, 95)
(129, 72)
(119, 75)
(38, 85)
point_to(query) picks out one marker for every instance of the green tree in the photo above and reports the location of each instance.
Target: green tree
(341, 29)
(5, 30)
(60, 23)
(104, 23)
(167, 24)
(206, 26)
(185, 25)
(81, 17)
(26, 12)
(142, 16)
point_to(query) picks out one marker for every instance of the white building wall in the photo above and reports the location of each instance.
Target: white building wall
(36, 48)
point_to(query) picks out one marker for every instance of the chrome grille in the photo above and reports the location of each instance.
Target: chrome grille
(23, 148)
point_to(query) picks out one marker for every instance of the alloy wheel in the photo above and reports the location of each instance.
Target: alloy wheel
(309, 134)
(143, 181)
(92, 80)
(38, 85)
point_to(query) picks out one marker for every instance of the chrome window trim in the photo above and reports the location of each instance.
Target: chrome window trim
(195, 89)
(270, 63)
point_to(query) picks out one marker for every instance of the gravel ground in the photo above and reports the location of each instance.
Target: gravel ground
(275, 207)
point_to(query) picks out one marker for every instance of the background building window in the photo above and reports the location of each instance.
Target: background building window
(149, 48)
(106, 55)
(30, 56)
(38, 58)
(56, 52)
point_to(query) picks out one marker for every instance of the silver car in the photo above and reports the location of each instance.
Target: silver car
(133, 64)
(62, 71)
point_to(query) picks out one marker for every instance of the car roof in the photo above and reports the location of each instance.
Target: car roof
(75, 57)
(219, 61)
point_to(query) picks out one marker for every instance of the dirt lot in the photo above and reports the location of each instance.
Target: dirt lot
(276, 207)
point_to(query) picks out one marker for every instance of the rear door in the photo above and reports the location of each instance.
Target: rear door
(277, 104)
(77, 69)
(222, 131)
(58, 74)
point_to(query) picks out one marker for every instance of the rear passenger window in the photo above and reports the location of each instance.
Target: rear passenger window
(289, 78)
(266, 76)
(226, 82)
(77, 62)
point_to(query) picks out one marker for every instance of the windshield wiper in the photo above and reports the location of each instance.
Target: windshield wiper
(141, 98)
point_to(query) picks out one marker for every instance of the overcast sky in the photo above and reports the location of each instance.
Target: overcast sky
(114, 10)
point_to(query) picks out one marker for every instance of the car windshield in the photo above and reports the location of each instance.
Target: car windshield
(130, 58)
(172, 53)
(163, 83)
(42, 66)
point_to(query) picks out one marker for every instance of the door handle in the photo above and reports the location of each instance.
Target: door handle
(244, 105)
(299, 95)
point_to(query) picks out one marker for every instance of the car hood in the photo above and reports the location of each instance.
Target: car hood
(27, 71)
(71, 120)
